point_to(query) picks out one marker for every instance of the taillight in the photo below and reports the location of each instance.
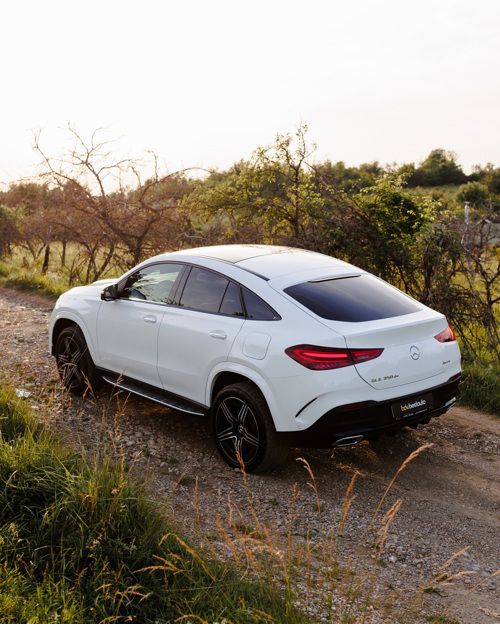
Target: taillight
(448, 335)
(326, 358)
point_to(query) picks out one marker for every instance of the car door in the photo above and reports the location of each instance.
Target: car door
(198, 333)
(127, 328)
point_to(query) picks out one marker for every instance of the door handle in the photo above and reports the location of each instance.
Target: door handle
(218, 335)
(149, 318)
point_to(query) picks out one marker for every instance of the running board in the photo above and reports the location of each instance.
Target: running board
(153, 394)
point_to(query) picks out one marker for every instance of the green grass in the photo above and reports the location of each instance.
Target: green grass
(22, 271)
(82, 542)
(31, 280)
(480, 386)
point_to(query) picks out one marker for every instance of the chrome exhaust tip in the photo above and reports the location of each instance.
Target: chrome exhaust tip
(348, 441)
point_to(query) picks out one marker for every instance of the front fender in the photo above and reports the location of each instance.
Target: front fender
(85, 323)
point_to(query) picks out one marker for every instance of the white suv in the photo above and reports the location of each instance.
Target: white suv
(276, 345)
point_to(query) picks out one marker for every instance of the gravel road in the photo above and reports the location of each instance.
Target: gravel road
(449, 494)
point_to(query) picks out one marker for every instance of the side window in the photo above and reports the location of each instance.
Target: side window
(231, 304)
(152, 283)
(257, 309)
(203, 291)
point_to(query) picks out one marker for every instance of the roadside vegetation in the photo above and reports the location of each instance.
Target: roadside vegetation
(81, 542)
(429, 229)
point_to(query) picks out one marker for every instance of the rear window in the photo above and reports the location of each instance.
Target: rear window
(353, 299)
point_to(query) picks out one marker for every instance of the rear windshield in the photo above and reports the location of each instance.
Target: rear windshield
(353, 299)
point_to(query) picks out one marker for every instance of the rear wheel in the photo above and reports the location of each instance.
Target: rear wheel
(74, 363)
(243, 429)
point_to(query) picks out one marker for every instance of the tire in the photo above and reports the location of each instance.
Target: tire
(243, 429)
(74, 364)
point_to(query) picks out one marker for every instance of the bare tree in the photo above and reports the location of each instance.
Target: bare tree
(114, 225)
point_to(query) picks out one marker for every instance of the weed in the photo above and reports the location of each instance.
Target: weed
(186, 480)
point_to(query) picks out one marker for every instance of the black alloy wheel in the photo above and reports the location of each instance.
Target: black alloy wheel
(74, 364)
(243, 429)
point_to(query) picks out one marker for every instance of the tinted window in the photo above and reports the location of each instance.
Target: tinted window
(256, 309)
(353, 299)
(204, 291)
(231, 304)
(152, 283)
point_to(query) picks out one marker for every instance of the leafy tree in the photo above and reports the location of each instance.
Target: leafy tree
(27, 196)
(9, 233)
(438, 169)
(475, 193)
(379, 231)
(225, 207)
(492, 180)
(32, 203)
(273, 198)
(294, 204)
(489, 176)
(348, 178)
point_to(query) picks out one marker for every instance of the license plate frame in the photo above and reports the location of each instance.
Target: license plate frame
(412, 407)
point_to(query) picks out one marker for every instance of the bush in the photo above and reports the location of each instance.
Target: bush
(475, 193)
(480, 386)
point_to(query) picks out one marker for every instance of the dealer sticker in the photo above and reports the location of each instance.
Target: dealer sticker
(412, 407)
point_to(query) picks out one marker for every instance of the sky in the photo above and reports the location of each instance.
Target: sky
(203, 83)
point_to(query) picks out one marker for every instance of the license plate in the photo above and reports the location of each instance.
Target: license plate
(412, 407)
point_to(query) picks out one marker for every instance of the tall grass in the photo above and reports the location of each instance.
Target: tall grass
(83, 542)
(317, 574)
(480, 386)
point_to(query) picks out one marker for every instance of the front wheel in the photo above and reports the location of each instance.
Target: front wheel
(74, 363)
(243, 429)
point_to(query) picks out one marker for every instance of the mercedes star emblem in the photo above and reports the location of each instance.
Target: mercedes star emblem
(414, 352)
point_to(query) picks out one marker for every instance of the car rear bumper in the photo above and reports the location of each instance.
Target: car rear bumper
(348, 424)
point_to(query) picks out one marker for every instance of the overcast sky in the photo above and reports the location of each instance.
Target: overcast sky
(205, 82)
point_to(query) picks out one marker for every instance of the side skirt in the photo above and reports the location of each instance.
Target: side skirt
(157, 395)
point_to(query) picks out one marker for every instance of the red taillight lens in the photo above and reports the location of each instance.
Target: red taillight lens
(363, 355)
(325, 358)
(448, 335)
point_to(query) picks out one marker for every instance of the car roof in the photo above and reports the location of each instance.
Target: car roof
(237, 253)
(269, 261)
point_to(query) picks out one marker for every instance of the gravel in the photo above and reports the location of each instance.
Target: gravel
(447, 495)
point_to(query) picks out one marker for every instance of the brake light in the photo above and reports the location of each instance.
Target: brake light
(326, 358)
(448, 335)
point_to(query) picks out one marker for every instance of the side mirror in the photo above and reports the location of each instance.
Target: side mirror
(110, 293)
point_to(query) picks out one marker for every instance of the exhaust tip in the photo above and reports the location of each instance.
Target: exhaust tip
(348, 441)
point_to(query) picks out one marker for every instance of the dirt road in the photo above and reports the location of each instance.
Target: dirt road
(449, 493)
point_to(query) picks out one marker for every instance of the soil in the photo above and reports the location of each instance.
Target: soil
(448, 494)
